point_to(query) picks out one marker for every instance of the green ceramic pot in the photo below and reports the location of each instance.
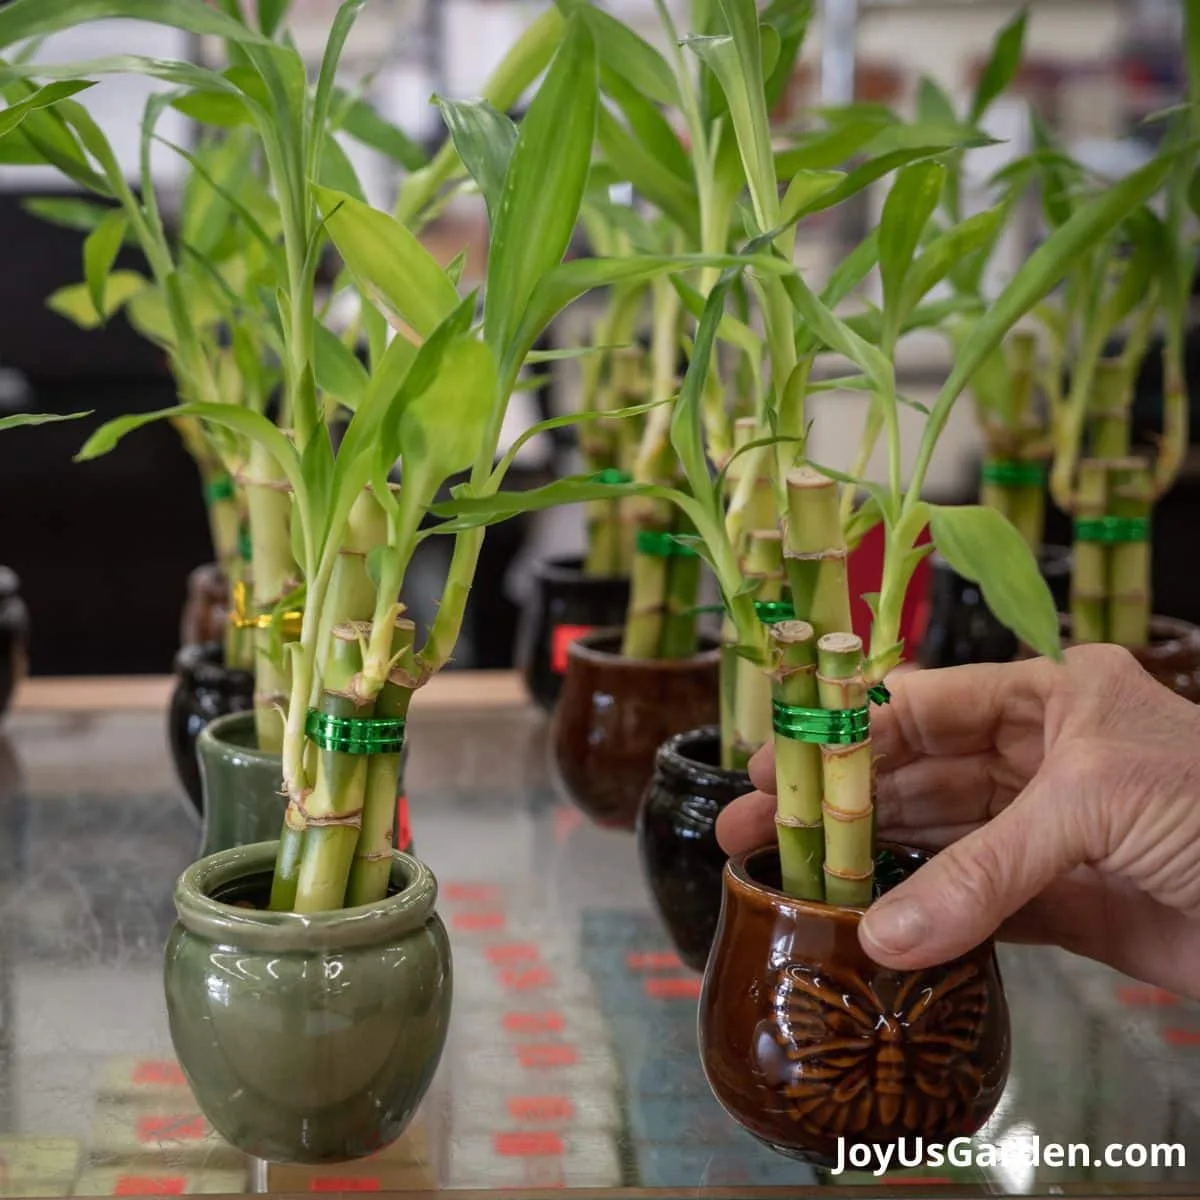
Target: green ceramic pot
(306, 1039)
(242, 785)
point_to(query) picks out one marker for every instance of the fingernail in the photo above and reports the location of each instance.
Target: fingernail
(895, 926)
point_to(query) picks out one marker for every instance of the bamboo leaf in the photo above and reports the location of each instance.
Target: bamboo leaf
(622, 51)
(485, 139)
(337, 368)
(23, 19)
(364, 124)
(1002, 66)
(46, 97)
(544, 185)
(19, 420)
(790, 20)
(220, 109)
(736, 333)
(472, 511)
(100, 251)
(75, 302)
(1039, 275)
(318, 126)
(648, 124)
(68, 212)
(934, 107)
(982, 546)
(852, 270)
(804, 193)
(949, 249)
(389, 260)
(906, 212)
(271, 13)
(338, 173)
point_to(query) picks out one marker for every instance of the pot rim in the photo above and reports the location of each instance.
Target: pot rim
(386, 920)
(196, 661)
(736, 870)
(1168, 635)
(672, 757)
(568, 568)
(584, 649)
(211, 733)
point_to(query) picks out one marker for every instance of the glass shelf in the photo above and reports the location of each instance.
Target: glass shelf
(572, 1058)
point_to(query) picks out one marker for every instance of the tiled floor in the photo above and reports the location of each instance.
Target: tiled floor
(572, 1058)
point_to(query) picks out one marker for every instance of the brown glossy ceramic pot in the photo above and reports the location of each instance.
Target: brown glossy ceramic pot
(805, 1040)
(1173, 656)
(205, 610)
(613, 714)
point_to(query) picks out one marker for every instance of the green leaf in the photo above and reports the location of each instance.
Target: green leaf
(17, 420)
(474, 511)
(359, 120)
(625, 53)
(544, 186)
(1002, 66)
(827, 149)
(736, 333)
(906, 212)
(949, 249)
(982, 546)
(852, 270)
(389, 260)
(934, 107)
(485, 140)
(337, 368)
(270, 14)
(335, 42)
(221, 109)
(790, 20)
(805, 191)
(648, 124)
(1038, 276)
(23, 19)
(100, 251)
(338, 173)
(12, 116)
(75, 301)
(67, 212)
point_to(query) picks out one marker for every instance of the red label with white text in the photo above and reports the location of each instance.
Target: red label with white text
(540, 1108)
(149, 1185)
(404, 837)
(561, 641)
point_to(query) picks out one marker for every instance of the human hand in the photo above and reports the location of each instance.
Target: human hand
(1064, 801)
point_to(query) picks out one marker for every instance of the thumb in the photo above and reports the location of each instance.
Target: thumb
(961, 896)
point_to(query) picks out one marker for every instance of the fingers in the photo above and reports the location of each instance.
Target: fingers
(968, 788)
(961, 896)
(762, 769)
(747, 823)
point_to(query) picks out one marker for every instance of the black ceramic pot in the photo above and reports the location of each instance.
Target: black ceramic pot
(14, 637)
(204, 690)
(565, 604)
(677, 838)
(961, 628)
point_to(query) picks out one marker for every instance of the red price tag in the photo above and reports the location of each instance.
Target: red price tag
(528, 1145)
(157, 1074)
(547, 1054)
(561, 641)
(1181, 1037)
(543, 1022)
(404, 837)
(333, 1183)
(673, 989)
(540, 1108)
(653, 960)
(525, 980)
(149, 1185)
(513, 952)
(478, 922)
(171, 1129)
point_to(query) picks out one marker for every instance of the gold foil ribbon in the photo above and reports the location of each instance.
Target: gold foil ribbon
(290, 623)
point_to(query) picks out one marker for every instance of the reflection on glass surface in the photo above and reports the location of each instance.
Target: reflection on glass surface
(572, 1056)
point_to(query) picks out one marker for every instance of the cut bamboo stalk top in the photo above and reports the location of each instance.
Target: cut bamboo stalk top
(841, 655)
(808, 477)
(791, 633)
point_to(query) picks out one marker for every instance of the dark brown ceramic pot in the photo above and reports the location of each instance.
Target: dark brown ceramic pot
(677, 837)
(805, 1040)
(205, 610)
(1173, 656)
(614, 713)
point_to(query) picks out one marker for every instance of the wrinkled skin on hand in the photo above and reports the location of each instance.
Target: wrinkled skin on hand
(1065, 802)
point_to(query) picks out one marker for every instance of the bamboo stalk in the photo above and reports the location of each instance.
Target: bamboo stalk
(815, 552)
(846, 771)
(648, 584)
(273, 575)
(1089, 569)
(683, 593)
(333, 812)
(1129, 580)
(1109, 412)
(372, 864)
(799, 820)
(752, 713)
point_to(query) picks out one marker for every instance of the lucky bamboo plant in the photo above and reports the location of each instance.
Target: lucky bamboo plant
(820, 674)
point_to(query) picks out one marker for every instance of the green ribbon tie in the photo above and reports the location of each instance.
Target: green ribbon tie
(218, 489)
(774, 612)
(1112, 531)
(355, 735)
(655, 544)
(244, 547)
(827, 727)
(1014, 473)
(612, 475)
